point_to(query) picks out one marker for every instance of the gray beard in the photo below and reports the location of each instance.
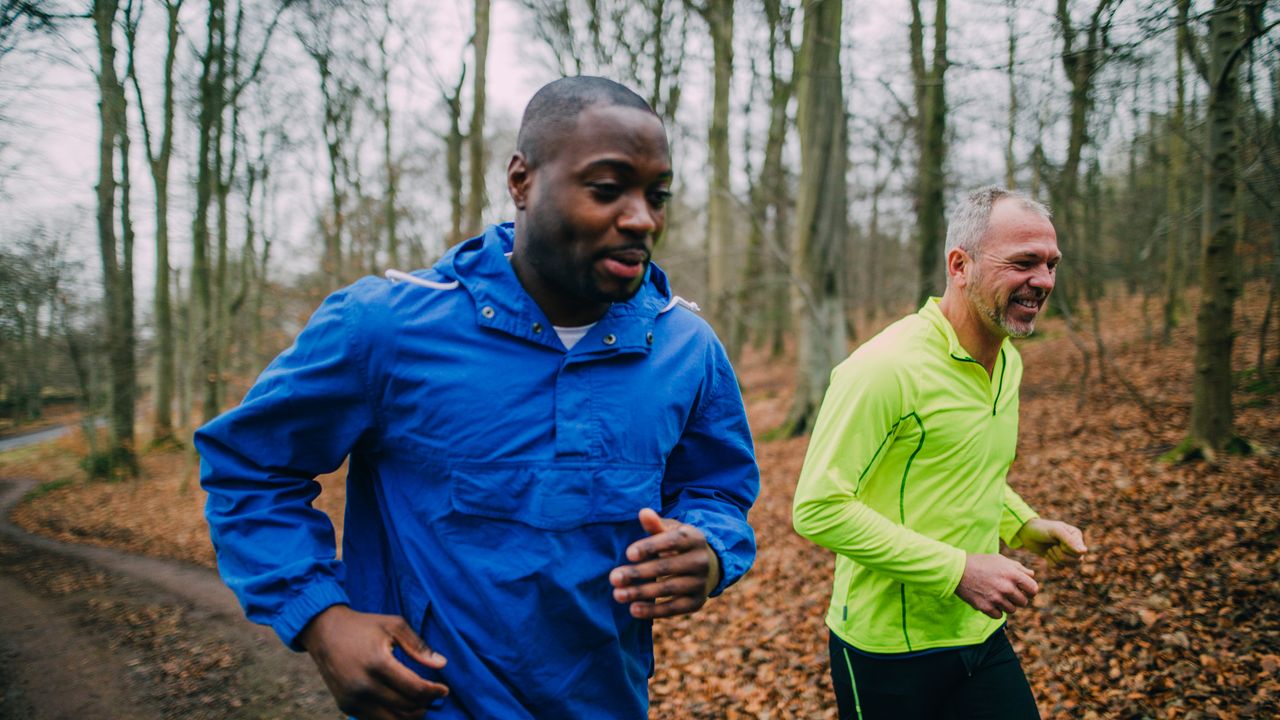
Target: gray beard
(998, 319)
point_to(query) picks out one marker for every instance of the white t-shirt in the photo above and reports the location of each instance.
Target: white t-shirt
(571, 335)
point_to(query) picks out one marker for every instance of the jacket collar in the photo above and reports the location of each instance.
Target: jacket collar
(932, 312)
(480, 265)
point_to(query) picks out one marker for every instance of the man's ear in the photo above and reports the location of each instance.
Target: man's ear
(519, 178)
(958, 263)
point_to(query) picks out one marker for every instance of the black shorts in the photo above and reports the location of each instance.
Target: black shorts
(976, 681)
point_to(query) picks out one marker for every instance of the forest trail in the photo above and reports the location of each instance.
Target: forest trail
(96, 633)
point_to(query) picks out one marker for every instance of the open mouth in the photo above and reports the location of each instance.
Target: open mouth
(627, 264)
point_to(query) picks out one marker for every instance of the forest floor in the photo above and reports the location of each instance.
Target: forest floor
(1174, 614)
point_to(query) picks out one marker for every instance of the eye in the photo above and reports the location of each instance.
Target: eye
(606, 190)
(659, 198)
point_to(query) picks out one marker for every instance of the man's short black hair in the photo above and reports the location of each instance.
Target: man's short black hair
(554, 110)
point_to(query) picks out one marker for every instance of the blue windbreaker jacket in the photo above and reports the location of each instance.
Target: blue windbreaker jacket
(494, 477)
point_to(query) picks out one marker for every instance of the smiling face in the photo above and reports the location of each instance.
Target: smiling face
(588, 214)
(1009, 281)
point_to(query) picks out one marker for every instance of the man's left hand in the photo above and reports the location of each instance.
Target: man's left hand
(670, 573)
(1053, 540)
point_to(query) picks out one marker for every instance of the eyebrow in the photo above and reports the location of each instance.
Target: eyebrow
(621, 166)
(1033, 255)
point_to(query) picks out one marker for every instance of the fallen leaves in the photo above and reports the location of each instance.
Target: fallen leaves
(1175, 613)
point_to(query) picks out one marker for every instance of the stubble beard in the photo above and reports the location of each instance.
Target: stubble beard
(998, 317)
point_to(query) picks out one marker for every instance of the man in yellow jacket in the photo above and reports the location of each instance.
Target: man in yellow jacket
(905, 481)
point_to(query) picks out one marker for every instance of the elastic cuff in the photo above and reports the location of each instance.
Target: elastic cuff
(955, 574)
(299, 611)
(717, 547)
(1014, 541)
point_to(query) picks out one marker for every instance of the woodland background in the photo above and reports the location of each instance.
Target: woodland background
(182, 181)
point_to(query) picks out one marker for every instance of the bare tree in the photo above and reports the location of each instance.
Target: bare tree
(1082, 63)
(638, 42)
(32, 264)
(721, 255)
(158, 160)
(1010, 160)
(117, 261)
(390, 167)
(1212, 423)
(931, 131)
(821, 210)
(763, 287)
(221, 83)
(338, 95)
(1176, 198)
(476, 199)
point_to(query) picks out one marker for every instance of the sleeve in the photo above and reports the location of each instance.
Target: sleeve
(1015, 513)
(855, 426)
(711, 479)
(301, 418)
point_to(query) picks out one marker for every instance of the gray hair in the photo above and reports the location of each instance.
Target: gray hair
(972, 215)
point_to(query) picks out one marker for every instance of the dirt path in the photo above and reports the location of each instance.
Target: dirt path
(92, 633)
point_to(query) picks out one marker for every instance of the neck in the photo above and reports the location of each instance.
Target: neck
(560, 307)
(972, 330)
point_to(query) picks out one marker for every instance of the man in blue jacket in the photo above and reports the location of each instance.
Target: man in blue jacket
(547, 448)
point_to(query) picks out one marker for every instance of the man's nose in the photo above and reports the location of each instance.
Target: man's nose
(638, 217)
(1042, 279)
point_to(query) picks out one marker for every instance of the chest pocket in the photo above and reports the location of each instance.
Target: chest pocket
(555, 496)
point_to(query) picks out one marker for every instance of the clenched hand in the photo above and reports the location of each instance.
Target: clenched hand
(353, 651)
(670, 573)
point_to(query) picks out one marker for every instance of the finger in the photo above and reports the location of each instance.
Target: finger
(1026, 586)
(1024, 569)
(1053, 555)
(686, 563)
(1012, 599)
(1066, 557)
(682, 605)
(651, 521)
(670, 587)
(1075, 544)
(403, 689)
(677, 539)
(414, 647)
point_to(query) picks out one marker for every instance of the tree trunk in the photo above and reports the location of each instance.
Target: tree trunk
(1173, 303)
(1010, 159)
(931, 109)
(476, 199)
(158, 161)
(1273, 297)
(453, 142)
(770, 207)
(390, 168)
(1212, 420)
(333, 146)
(718, 15)
(1081, 65)
(212, 89)
(117, 287)
(224, 176)
(821, 210)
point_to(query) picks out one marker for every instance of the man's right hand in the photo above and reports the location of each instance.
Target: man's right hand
(993, 584)
(354, 653)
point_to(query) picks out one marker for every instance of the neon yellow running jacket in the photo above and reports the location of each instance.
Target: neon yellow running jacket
(905, 475)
